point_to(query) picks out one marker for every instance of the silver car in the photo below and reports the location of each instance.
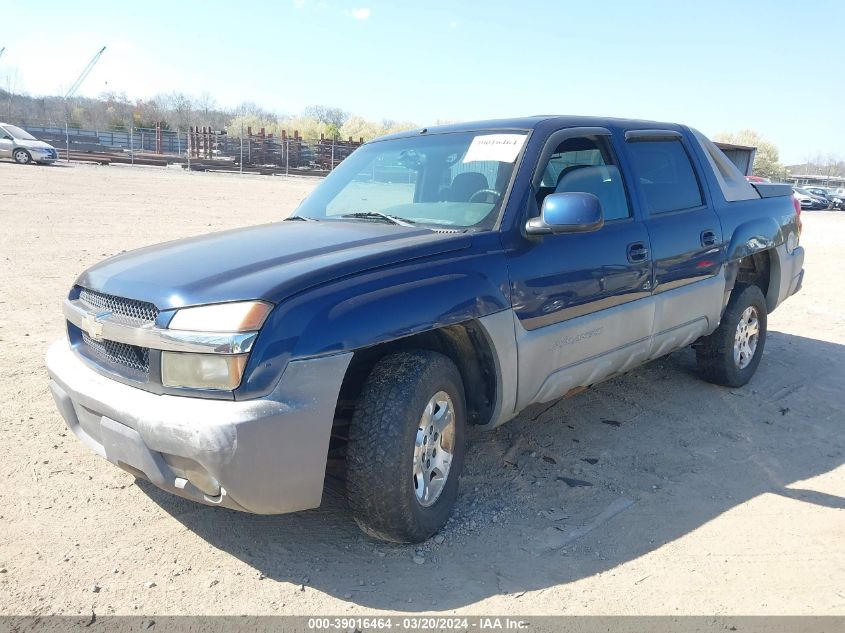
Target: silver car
(23, 147)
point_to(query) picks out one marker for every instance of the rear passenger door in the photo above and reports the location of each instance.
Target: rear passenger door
(685, 235)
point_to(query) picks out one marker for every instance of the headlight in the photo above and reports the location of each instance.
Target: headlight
(243, 316)
(212, 370)
(202, 371)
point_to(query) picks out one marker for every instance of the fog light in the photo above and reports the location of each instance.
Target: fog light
(202, 371)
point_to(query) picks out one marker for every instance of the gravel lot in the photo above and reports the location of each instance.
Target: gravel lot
(695, 499)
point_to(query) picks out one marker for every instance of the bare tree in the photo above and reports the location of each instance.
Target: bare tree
(179, 111)
(176, 111)
(118, 110)
(205, 104)
(11, 81)
(327, 115)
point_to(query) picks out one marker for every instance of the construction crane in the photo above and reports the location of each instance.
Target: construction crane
(72, 91)
(84, 74)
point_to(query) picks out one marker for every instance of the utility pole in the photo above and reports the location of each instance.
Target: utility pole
(72, 91)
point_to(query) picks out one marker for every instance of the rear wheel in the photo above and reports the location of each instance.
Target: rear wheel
(731, 354)
(22, 157)
(406, 446)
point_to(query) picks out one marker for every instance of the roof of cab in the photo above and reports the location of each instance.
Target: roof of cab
(531, 123)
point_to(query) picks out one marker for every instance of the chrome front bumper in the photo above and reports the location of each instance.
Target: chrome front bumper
(266, 456)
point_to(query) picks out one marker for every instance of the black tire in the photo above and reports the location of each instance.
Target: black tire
(22, 157)
(715, 353)
(380, 482)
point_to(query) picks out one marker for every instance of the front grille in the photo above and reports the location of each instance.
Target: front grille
(129, 360)
(133, 311)
(120, 355)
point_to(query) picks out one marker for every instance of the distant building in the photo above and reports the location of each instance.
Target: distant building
(820, 180)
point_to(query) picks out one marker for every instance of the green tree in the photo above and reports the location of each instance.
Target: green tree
(358, 127)
(767, 159)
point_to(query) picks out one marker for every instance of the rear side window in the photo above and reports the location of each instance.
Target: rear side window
(665, 175)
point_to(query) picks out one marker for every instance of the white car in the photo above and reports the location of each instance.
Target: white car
(23, 148)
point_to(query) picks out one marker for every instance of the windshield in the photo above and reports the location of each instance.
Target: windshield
(18, 133)
(455, 180)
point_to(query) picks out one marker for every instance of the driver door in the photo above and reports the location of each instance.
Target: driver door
(581, 300)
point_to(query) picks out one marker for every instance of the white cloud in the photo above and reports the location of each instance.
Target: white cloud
(298, 4)
(359, 14)
(453, 25)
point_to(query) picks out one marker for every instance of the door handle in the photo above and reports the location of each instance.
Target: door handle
(637, 252)
(708, 238)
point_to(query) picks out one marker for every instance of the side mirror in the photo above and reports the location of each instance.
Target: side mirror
(568, 212)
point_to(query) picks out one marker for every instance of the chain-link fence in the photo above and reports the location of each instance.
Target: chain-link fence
(199, 148)
(260, 148)
(137, 139)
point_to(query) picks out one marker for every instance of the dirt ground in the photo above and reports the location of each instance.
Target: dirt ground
(693, 499)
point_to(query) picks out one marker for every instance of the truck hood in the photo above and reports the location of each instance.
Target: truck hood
(269, 262)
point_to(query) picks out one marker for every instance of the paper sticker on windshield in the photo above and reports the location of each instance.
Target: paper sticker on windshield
(500, 147)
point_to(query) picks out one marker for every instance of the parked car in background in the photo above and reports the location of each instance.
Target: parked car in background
(23, 148)
(810, 201)
(757, 179)
(838, 198)
(822, 192)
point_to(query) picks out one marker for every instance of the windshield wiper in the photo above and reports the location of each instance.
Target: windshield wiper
(300, 218)
(378, 215)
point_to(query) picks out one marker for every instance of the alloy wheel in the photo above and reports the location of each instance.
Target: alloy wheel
(747, 335)
(434, 448)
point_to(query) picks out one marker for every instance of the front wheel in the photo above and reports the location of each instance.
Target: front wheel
(406, 446)
(22, 157)
(731, 354)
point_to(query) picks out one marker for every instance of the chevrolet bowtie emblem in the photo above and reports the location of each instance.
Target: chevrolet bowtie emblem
(93, 326)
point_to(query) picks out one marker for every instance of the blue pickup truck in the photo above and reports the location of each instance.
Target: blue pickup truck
(436, 279)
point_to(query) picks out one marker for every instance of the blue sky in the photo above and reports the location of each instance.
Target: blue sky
(777, 67)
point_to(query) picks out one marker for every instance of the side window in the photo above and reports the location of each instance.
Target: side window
(665, 175)
(586, 164)
(567, 160)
